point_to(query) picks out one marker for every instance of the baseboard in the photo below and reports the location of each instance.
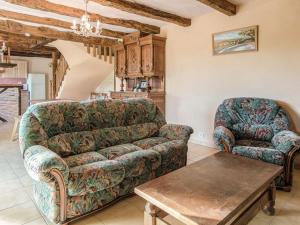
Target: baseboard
(198, 141)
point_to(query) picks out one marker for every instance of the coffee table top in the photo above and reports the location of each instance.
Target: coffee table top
(211, 190)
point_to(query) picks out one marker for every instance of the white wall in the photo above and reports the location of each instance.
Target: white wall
(197, 82)
(37, 65)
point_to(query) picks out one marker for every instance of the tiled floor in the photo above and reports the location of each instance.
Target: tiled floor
(17, 207)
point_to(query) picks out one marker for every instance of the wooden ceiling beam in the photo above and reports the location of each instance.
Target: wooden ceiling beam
(222, 6)
(42, 43)
(52, 22)
(30, 54)
(74, 12)
(46, 32)
(31, 42)
(143, 10)
(44, 52)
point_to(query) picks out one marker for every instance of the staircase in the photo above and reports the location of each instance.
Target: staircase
(102, 52)
(81, 69)
(59, 74)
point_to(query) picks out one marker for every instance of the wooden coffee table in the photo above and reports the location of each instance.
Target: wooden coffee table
(220, 189)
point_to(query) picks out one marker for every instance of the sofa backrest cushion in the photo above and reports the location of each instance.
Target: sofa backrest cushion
(68, 144)
(61, 117)
(254, 118)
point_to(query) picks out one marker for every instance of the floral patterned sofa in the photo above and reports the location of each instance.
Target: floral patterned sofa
(258, 129)
(85, 156)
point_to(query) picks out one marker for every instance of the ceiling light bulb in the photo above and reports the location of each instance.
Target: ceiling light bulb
(27, 34)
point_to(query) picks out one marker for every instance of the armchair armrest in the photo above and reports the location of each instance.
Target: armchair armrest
(176, 132)
(224, 138)
(285, 141)
(40, 162)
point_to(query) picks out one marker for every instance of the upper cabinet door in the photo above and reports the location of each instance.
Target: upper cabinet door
(147, 60)
(133, 60)
(153, 56)
(120, 67)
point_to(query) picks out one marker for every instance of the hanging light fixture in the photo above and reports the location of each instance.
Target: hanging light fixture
(85, 28)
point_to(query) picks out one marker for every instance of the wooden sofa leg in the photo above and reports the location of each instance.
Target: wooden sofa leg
(289, 169)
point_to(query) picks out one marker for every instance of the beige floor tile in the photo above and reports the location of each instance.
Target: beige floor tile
(137, 202)
(39, 221)
(91, 220)
(26, 180)
(12, 198)
(20, 214)
(121, 214)
(10, 185)
(173, 221)
(6, 175)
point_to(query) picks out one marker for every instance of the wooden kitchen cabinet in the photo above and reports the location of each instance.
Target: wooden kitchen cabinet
(141, 59)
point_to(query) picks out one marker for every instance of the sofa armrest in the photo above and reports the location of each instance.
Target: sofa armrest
(176, 132)
(285, 141)
(224, 138)
(40, 162)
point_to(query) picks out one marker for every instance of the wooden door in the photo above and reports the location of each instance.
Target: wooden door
(133, 60)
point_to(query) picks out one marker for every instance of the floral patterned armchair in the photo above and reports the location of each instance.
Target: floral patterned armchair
(85, 156)
(258, 129)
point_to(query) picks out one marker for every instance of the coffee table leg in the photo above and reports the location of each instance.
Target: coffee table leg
(270, 209)
(150, 214)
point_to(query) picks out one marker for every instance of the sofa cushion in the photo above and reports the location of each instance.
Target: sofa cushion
(265, 154)
(140, 162)
(173, 155)
(251, 110)
(84, 158)
(72, 143)
(257, 131)
(118, 150)
(150, 142)
(139, 111)
(105, 114)
(108, 137)
(142, 131)
(94, 177)
(61, 117)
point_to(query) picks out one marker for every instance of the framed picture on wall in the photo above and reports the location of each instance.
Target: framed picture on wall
(239, 40)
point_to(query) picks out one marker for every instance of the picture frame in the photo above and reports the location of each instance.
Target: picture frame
(143, 84)
(235, 41)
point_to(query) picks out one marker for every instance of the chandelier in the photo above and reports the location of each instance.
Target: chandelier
(85, 28)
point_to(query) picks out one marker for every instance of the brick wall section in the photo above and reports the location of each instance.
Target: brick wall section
(9, 103)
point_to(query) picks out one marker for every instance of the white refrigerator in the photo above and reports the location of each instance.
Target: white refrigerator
(36, 84)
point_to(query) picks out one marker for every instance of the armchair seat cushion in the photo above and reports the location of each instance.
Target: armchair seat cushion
(269, 155)
(261, 132)
(150, 142)
(254, 143)
(93, 177)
